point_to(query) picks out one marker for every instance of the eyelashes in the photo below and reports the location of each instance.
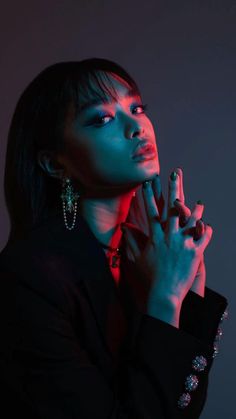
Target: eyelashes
(100, 119)
(144, 107)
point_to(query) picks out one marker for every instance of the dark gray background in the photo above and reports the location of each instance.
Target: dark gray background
(183, 56)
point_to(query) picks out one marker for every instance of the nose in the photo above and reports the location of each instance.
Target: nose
(134, 129)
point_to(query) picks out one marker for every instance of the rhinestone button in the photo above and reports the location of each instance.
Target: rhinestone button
(216, 349)
(218, 334)
(199, 363)
(184, 400)
(191, 382)
(224, 316)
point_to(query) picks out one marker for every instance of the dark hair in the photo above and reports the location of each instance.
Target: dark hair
(37, 124)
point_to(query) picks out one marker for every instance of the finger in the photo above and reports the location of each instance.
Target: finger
(203, 242)
(158, 195)
(155, 229)
(195, 215)
(139, 236)
(200, 228)
(181, 184)
(130, 242)
(184, 212)
(173, 194)
(199, 283)
(164, 214)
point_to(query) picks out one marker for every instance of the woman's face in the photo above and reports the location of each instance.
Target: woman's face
(100, 141)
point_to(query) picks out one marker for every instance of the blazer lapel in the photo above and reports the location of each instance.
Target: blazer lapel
(86, 253)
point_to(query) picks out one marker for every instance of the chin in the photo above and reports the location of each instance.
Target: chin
(150, 170)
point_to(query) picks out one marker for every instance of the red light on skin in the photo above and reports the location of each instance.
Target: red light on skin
(148, 155)
(144, 150)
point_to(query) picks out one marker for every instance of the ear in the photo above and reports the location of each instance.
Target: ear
(48, 163)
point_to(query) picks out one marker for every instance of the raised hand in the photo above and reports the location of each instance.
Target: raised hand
(198, 228)
(197, 225)
(171, 256)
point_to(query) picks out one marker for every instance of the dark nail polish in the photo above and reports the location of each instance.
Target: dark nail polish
(173, 176)
(145, 184)
(199, 202)
(183, 219)
(177, 199)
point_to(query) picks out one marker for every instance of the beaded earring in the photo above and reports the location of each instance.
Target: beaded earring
(69, 201)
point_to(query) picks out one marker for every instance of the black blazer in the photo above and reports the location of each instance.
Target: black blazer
(73, 346)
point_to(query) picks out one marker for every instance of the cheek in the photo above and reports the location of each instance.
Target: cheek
(82, 164)
(107, 156)
(92, 157)
(150, 128)
(151, 132)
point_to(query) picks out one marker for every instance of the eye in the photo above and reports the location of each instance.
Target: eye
(104, 119)
(100, 119)
(142, 107)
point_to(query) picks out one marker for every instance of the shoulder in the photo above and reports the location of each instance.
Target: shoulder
(34, 251)
(52, 261)
(41, 262)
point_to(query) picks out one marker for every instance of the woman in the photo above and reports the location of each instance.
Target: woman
(100, 321)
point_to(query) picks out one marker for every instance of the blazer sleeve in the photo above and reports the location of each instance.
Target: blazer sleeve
(203, 317)
(178, 361)
(62, 382)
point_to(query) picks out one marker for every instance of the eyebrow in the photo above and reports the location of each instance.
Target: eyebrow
(96, 102)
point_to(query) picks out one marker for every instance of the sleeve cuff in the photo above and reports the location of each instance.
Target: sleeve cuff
(173, 359)
(201, 316)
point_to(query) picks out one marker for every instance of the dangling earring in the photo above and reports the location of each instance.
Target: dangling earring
(69, 201)
(134, 193)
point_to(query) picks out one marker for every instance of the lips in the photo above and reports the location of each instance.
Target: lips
(143, 147)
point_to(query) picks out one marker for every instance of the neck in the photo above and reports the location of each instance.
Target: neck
(104, 216)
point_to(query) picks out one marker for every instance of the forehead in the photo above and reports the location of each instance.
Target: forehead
(104, 88)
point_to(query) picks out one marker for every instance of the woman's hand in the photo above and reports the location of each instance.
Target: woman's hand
(171, 256)
(185, 213)
(198, 230)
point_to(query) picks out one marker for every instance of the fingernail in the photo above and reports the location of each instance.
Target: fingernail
(183, 219)
(209, 225)
(199, 202)
(146, 183)
(177, 199)
(173, 176)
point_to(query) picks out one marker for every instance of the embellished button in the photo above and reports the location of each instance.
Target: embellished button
(216, 349)
(224, 316)
(184, 400)
(218, 334)
(199, 363)
(191, 382)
